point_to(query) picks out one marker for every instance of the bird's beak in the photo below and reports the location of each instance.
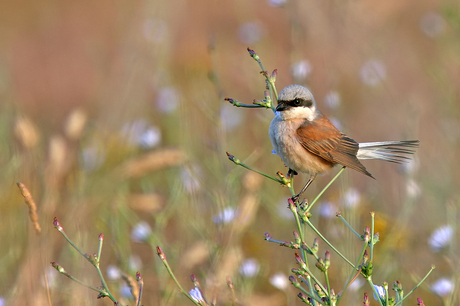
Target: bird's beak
(281, 106)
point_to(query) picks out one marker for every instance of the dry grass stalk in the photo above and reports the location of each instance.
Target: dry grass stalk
(153, 161)
(132, 284)
(33, 216)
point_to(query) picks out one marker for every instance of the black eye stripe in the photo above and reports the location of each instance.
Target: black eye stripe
(300, 102)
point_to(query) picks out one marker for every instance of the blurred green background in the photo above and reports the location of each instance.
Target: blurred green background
(112, 113)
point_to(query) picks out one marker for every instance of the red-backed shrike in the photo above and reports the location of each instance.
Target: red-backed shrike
(307, 141)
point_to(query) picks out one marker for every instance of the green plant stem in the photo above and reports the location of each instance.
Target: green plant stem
(316, 281)
(168, 268)
(104, 284)
(328, 286)
(418, 285)
(324, 189)
(301, 234)
(291, 185)
(247, 105)
(85, 285)
(72, 244)
(328, 243)
(95, 263)
(372, 236)
(369, 280)
(352, 274)
(312, 295)
(99, 251)
(349, 226)
(239, 163)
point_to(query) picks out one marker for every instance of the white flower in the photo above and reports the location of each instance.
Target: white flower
(141, 232)
(196, 295)
(442, 286)
(301, 70)
(411, 166)
(279, 280)
(373, 72)
(230, 116)
(327, 210)
(251, 32)
(249, 267)
(167, 100)
(113, 272)
(277, 3)
(225, 216)
(351, 198)
(441, 237)
(134, 263)
(2, 301)
(125, 291)
(332, 99)
(380, 292)
(150, 138)
(432, 24)
(139, 133)
(356, 284)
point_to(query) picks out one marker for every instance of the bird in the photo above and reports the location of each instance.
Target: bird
(309, 143)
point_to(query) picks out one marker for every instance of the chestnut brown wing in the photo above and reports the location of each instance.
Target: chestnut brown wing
(323, 139)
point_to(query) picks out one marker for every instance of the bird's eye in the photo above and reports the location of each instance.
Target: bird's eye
(297, 102)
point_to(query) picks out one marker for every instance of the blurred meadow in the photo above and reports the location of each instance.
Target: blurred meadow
(112, 114)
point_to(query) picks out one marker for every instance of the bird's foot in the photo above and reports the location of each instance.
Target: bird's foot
(291, 173)
(295, 198)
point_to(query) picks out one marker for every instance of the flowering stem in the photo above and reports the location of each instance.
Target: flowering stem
(372, 236)
(239, 163)
(328, 243)
(71, 243)
(348, 225)
(168, 268)
(310, 294)
(99, 249)
(239, 104)
(374, 290)
(326, 277)
(350, 280)
(324, 189)
(315, 280)
(301, 234)
(418, 285)
(104, 284)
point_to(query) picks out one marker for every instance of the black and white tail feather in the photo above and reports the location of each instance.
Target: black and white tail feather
(392, 151)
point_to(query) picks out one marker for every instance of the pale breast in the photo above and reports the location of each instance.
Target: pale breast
(284, 140)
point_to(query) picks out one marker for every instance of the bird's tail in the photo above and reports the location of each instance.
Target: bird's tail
(392, 151)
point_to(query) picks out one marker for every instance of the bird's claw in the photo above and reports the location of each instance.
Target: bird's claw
(295, 198)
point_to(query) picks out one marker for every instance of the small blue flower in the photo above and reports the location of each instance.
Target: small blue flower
(373, 72)
(196, 295)
(225, 216)
(441, 237)
(380, 292)
(249, 267)
(442, 287)
(141, 232)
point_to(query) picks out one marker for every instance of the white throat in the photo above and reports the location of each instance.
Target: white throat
(299, 112)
